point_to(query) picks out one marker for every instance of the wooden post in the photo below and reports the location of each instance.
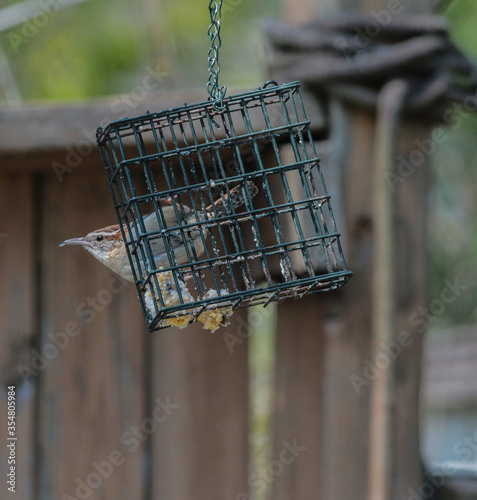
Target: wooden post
(341, 326)
(202, 450)
(17, 325)
(91, 390)
(168, 411)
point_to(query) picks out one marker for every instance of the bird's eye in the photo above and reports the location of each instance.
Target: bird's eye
(99, 238)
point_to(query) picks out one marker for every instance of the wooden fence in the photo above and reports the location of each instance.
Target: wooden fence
(168, 412)
(105, 410)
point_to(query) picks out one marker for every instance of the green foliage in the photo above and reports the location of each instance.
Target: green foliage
(81, 51)
(454, 204)
(462, 16)
(100, 48)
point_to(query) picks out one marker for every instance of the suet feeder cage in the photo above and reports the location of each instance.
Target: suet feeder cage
(281, 243)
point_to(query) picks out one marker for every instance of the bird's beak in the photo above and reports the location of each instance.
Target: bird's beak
(76, 241)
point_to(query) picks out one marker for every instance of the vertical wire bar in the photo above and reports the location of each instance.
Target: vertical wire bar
(320, 225)
(238, 162)
(123, 171)
(187, 235)
(203, 226)
(200, 287)
(168, 170)
(204, 120)
(289, 197)
(266, 191)
(168, 247)
(210, 121)
(142, 151)
(223, 175)
(328, 247)
(203, 167)
(108, 151)
(236, 238)
(124, 220)
(285, 262)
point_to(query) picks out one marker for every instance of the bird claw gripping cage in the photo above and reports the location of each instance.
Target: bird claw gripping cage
(174, 178)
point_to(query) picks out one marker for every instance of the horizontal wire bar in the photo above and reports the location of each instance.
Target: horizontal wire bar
(255, 253)
(273, 289)
(216, 145)
(202, 186)
(286, 88)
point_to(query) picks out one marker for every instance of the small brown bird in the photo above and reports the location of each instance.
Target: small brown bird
(107, 245)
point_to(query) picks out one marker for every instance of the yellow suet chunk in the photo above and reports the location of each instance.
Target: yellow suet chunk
(212, 318)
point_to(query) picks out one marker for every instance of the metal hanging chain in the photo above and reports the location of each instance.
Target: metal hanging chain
(216, 93)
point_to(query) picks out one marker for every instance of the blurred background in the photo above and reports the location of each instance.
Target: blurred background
(90, 57)
(85, 51)
(82, 54)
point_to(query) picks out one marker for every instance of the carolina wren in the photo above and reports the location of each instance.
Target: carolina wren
(107, 245)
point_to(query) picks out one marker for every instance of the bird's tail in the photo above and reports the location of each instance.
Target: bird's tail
(223, 205)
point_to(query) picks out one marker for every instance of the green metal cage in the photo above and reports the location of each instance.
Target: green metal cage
(281, 243)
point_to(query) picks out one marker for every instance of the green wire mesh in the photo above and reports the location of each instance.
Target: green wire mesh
(281, 243)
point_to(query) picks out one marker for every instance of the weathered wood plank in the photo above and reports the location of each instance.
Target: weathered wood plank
(34, 128)
(342, 421)
(92, 386)
(36, 136)
(351, 366)
(201, 451)
(346, 412)
(17, 324)
(412, 270)
(293, 471)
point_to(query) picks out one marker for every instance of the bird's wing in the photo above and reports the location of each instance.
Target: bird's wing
(223, 205)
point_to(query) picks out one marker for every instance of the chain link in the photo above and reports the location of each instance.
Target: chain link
(216, 93)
